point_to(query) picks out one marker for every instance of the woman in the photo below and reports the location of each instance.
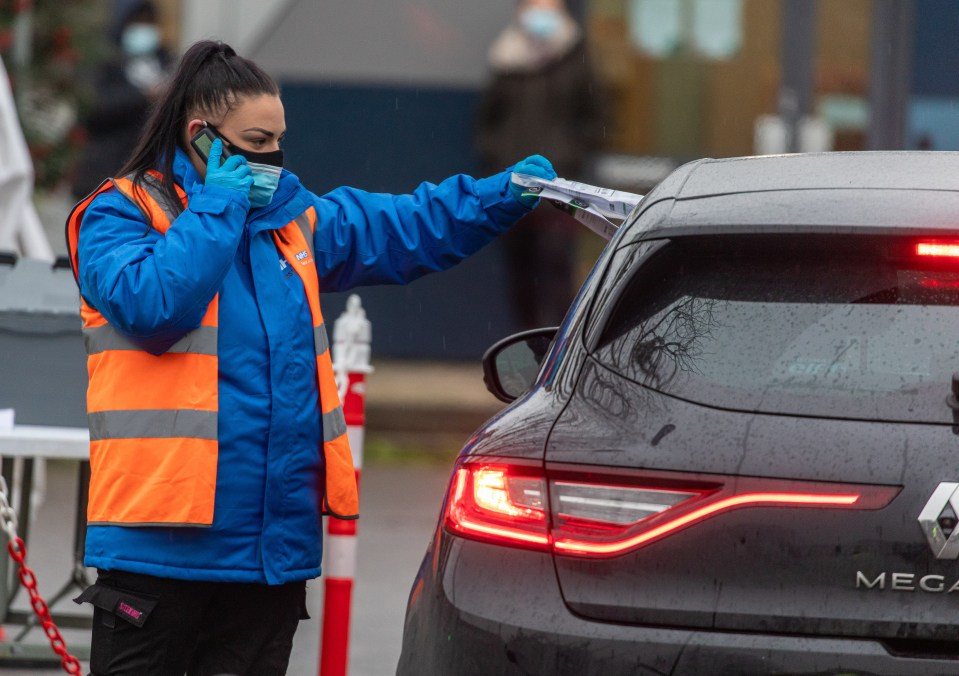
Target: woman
(217, 436)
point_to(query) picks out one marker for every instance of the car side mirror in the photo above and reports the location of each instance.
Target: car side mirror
(511, 365)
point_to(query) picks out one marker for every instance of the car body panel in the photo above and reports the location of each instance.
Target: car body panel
(485, 610)
(803, 562)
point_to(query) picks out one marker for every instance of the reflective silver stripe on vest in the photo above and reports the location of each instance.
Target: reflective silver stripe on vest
(320, 339)
(152, 424)
(303, 223)
(154, 189)
(334, 424)
(99, 339)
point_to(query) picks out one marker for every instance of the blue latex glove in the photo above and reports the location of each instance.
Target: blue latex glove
(234, 174)
(534, 165)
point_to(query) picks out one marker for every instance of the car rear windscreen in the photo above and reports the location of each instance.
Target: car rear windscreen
(835, 326)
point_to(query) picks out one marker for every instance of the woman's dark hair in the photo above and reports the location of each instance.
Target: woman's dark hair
(210, 79)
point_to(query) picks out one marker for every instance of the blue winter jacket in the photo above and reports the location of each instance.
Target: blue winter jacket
(154, 288)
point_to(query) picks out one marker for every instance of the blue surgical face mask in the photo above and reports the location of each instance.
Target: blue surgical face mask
(266, 179)
(266, 169)
(541, 22)
(140, 39)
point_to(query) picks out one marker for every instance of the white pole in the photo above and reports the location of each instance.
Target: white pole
(20, 227)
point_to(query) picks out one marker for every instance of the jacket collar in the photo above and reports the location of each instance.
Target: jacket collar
(183, 172)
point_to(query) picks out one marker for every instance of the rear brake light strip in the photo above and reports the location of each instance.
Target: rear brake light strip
(569, 546)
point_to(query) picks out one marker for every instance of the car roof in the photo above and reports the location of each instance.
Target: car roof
(877, 192)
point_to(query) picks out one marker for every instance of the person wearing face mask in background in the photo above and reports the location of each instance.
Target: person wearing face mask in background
(217, 434)
(542, 97)
(124, 87)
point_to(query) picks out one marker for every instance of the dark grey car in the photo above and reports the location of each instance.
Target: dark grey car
(740, 452)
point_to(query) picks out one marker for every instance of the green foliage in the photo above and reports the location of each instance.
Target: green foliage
(48, 47)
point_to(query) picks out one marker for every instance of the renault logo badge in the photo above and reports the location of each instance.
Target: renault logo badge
(939, 518)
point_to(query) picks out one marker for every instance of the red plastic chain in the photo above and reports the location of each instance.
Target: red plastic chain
(18, 552)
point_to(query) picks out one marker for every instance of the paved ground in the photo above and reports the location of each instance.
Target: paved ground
(400, 508)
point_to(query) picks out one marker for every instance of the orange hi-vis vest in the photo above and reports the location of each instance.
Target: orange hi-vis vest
(153, 419)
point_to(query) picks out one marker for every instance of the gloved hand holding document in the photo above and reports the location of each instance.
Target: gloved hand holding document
(591, 205)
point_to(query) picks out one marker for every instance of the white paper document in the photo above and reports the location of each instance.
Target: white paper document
(591, 205)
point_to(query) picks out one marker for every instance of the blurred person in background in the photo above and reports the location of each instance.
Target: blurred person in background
(542, 97)
(125, 86)
(217, 435)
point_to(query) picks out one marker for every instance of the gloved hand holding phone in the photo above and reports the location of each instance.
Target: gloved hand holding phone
(534, 165)
(233, 174)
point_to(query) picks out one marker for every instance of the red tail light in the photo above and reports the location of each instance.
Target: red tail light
(938, 249)
(498, 504)
(576, 513)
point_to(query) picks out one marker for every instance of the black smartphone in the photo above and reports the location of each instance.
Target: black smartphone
(203, 141)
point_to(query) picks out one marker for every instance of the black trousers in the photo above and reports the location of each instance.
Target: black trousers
(155, 626)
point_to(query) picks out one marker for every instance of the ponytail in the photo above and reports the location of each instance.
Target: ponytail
(210, 78)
